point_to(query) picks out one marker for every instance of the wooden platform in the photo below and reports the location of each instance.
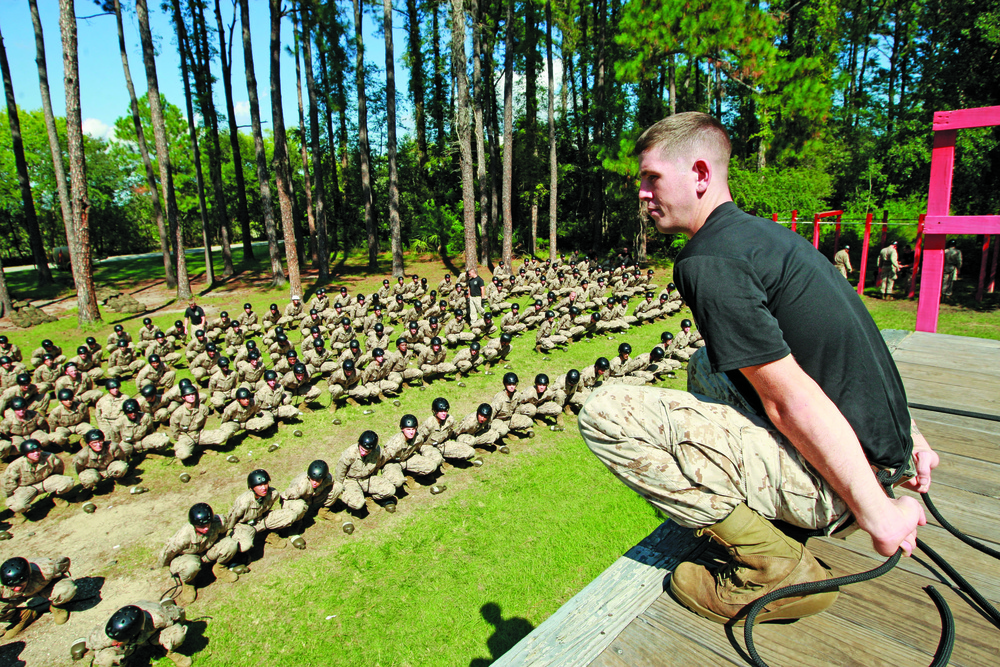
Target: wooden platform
(624, 617)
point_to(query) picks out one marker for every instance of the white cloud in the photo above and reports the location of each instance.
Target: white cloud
(242, 112)
(98, 129)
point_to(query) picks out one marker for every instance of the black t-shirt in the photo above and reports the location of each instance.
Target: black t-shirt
(476, 286)
(196, 314)
(759, 291)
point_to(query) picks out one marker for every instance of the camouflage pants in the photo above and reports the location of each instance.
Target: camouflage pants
(552, 342)
(696, 458)
(184, 447)
(153, 441)
(425, 461)
(90, 477)
(353, 490)
(276, 519)
(21, 499)
(487, 438)
(187, 566)
(547, 409)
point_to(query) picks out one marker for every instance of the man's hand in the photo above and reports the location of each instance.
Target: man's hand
(925, 459)
(897, 528)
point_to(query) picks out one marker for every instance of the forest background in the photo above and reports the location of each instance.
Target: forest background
(495, 127)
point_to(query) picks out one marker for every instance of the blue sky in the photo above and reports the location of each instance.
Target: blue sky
(103, 95)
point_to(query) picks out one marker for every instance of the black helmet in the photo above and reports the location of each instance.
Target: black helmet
(485, 409)
(188, 389)
(602, 364)
(348, 366)
(160, 334)
(412, 325)
(515, 306)
(91, 340)
(258, 477)
(299, 368)
(436, 341)
(440, 404)
(542, 379)
(345, 321)
(573, 376)
(145, 320)
(666, 337)
(378, 352)
(224, 315)
(4, 340)
(671, 286)
(656, 354)
(379, 327)
(433, 319)
(253, 354)
(408, 421)
(368, 440)
(65, 395)
(14, 572)
(148, 391)
(624, 348)
(119, 328)
(550, 314)
(509, 378)
(313, 311)
(318, 470)
(273, 306)
(354, 344)
(270, 375)
(595, 317)
(505, 338)
(475, 346)
(292, 354)
(574, 311)
(224, 362)
(211, 347)
(23, 379)
(538, 303)
(199, 333)
(18, 403)
(318, 342)
(314, 330)
(200, 514)
(488, 316)
(242, 392)
(685, 323)
(130, 406)
(82, 351)
(113, 383)
(29, 445)
(251, 345)
(125, 623)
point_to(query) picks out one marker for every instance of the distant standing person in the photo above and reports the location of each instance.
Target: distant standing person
(888, 269)
(952, 263)
(476, 285)
(842, 260)
(194, 315)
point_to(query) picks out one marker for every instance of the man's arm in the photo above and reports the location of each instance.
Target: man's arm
(800, 409)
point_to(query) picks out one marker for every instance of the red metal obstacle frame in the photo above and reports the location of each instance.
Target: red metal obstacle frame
(938, 222)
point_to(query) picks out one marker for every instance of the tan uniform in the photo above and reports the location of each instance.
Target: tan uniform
(888, 268)
(399, 367)
(187, 550)
(91, 467)
(250, 322)
(277, 401)
(300, 495)
(122, 362)
(466, 361)
(194, 348)
(375, 380)
(441, 435)
(546, 337)
(250, 417)
(505, 410)
(163, 624)
(532, 404)
(291, 315)
(82, 388)
(108, 409)
(355, 476)
(66, 421)
(842, 260)
(135, 437)
(49, 578)
(433, 364)
(222, 387)
(14, 431)
(187, 424)
(409, 456)
(23, 480)
(340, 386)
(203, 366)
(471, 433)
(45, 377)
(252, 515)
(160, 376)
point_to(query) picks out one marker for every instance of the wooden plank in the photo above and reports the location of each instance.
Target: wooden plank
(960, 472)
(583, 627)
(975, 439)
(931, 339)
(978, 516)
(930, 363)
(976, 642)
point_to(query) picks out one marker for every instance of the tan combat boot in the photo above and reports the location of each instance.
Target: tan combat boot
(27, 617)
(187, 595)
(178, 659)
(275, 540)
(59, 614)
(762, 559)
(223, 573)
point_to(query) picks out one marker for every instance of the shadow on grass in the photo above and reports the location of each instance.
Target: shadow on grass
(507, 633)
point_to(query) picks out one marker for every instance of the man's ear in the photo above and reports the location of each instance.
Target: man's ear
(703, 175)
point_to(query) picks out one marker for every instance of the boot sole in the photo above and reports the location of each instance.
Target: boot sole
(806, 606)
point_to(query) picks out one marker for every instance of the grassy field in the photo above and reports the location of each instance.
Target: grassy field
(452, 579)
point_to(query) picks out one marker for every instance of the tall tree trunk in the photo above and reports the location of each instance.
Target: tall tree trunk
(366, 179)
(203, 82)
(162, 148)
(282, 170)
(183, 49)
(438, 104)
(303, 149)
(336, 204)
(672, 85)
(168, 265)
(464, 127)
(530, 183)
(553, 166)
(600, 101)
(395, 232)
(6, 306)
(477, 112)
(50, 120)
(415, 56)
(494, 130)
(508, 135)
(260, 156)
(226, 55)
(319, 194)
(23, 181)
(79, 249)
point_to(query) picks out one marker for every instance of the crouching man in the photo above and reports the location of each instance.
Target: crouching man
(202, 540)
(141, 623)
(21, 580)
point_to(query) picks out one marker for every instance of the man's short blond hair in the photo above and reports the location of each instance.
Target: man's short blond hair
(687, 134)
